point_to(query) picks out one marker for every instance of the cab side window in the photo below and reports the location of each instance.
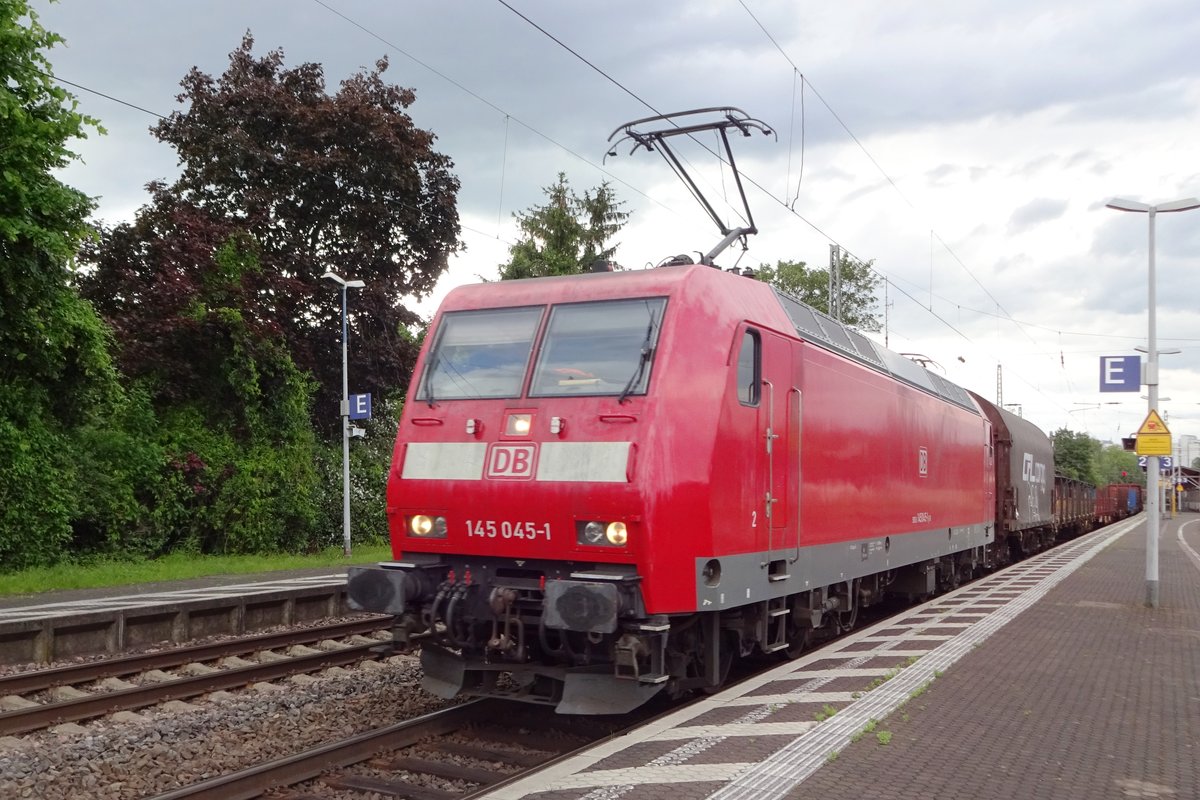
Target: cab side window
(749, 370)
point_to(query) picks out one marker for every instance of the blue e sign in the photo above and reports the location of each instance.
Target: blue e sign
(1120, 373)
(360, 406)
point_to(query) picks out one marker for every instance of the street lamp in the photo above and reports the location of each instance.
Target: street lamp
(345, 284)
(1153, 511)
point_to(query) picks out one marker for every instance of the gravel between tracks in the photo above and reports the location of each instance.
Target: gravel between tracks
(168, 748)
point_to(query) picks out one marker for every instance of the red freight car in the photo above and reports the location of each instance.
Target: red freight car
(1075, 506)
(1117, 501)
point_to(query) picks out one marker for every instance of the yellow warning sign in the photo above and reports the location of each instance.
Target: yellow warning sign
(1153, 438)
(1153, 424)
(1154, 444)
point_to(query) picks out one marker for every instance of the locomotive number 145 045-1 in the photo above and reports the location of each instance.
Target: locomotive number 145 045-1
(492, 529)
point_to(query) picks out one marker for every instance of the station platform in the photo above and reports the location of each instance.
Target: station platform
(1050, 679)
(59, 625)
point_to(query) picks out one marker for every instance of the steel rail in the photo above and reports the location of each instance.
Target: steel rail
(252, 782)
(38, 680)
(41, 716)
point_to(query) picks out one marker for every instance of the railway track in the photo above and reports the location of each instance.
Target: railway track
(456, 752)
(43, 698)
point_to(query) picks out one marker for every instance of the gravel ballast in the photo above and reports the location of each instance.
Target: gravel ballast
(162, 748)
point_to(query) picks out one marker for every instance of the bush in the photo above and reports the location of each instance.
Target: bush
(36, 480)
(370, 460)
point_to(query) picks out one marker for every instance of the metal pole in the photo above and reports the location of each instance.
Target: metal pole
(1152, 501)
(345, 436)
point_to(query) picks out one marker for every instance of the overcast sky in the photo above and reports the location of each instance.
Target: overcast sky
(966, 147)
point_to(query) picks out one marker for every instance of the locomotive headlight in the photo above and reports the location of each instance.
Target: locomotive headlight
(593, 532)
(518, 424)
(427, 526)
(601, 533)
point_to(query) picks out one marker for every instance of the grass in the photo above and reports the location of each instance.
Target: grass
(825, 713)
(920, 690)
(99, 574)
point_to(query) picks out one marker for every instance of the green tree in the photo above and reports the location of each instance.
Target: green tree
(1117, 465)
(225, 400)
(567, 235)
(308, 182)
(1076, 455)
(56, 376)
(811, 286)
(216, 297)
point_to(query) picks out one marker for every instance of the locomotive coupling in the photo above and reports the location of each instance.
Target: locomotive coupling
(501, 600)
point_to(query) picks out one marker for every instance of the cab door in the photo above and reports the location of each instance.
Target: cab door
(779, 447)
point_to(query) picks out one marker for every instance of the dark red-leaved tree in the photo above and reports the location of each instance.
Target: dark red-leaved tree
(280, 182)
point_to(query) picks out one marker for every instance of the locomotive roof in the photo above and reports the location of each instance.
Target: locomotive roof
(812, 325)
(822, 329)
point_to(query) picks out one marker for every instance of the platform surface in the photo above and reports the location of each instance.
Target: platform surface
(1050, 679)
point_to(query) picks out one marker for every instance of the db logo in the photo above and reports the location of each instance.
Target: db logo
(511, 461)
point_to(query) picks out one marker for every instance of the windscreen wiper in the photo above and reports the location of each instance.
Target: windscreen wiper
(429, 370)
(643, 360)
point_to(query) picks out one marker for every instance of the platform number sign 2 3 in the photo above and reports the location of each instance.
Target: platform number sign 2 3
(1165, 463)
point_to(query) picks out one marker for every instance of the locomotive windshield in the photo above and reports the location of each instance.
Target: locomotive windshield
(480, 354)
(603, 348)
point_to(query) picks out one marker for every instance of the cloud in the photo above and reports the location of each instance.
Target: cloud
(1036, 212)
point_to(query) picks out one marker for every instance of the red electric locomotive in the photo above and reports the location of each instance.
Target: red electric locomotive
(610, 485)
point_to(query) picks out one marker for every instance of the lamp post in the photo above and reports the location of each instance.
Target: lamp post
(345, 284)
(1153, 511)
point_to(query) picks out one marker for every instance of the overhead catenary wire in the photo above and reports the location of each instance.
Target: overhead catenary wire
(895, 187)
(98, 93)
(872, 159)
(760, 187)
(749, 179)
(507, 115)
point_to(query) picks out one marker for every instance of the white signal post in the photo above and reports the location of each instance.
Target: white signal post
(345, 284)
(1153, 495)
